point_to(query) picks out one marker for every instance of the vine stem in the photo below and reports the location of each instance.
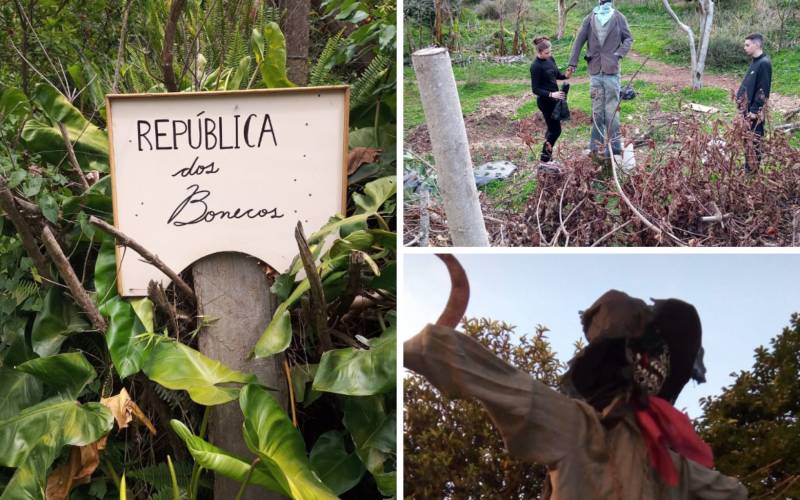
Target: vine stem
(246, 480)
(194, 483)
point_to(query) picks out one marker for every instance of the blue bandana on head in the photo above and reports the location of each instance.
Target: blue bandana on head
(604, 12)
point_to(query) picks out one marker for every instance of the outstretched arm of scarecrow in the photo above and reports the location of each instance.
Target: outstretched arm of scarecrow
(537, 423)
(708, 484)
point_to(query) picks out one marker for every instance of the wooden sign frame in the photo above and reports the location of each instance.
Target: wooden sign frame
(183, 97)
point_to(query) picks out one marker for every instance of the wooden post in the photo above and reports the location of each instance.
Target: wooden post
(233, 287)
(437, 89)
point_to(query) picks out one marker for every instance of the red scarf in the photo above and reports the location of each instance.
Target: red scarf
(662, 425)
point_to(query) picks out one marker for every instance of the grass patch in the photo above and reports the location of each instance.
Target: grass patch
(413, 114)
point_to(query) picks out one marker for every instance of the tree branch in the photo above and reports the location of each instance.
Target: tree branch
(151, 258)
(72, 159)
(167, 70)
(318, 309)
(72, 281)
(25, 233)
(121, 45)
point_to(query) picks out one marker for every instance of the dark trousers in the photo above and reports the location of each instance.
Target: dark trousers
(546, 106)
(757, 127)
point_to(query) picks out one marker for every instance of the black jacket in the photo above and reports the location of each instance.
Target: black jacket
(544, 73)
(756, 83)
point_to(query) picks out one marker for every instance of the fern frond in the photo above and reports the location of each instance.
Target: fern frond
(320, 74)
(24, 290)
(166, 493)
(361, 91)
(158, 476)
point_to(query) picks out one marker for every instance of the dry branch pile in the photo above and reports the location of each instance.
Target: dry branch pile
(691, 191)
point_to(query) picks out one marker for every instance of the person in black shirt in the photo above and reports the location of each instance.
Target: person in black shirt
(755, 89)
(544, 73)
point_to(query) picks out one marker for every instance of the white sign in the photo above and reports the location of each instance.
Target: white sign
(199, 173)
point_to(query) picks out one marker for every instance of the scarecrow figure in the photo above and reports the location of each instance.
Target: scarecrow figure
(614, 433)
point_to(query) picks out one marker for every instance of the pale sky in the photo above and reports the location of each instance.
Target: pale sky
(743, 300)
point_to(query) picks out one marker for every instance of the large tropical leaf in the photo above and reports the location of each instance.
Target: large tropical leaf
(14, 103)
(339, 470)
(365, 417)
(271, 49)
(270, 434)
(43, 136)
(58, 319)
(179, 367)
(34, 438)
(18, 390)
(68, 373)
(105, 272)
(360, 372)
(229, 465)
(128, 352)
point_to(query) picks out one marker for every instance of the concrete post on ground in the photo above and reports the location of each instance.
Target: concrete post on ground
(437, 88)
(233, 288)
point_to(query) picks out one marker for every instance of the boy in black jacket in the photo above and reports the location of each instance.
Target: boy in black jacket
(755, 87)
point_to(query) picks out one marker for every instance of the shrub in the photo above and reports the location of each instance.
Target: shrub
(724, 50)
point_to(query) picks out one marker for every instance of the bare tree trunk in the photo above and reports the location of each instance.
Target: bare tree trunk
(439, 22)
(562, 17)
(295, 25)
(501, 4)
(25, 27)
(171, 27)
(439, 95)
(698, 61)
(232, 287)
(515, 45)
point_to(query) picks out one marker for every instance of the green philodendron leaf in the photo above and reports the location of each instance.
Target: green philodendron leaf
(357, 241)
(277, 336)
(387, 483)
(385, 437)
(105, 273)
(242, 71)
(229, 465)
(49, 207)
(143, 308)
(387, 280)
(14, 103)
(365, 137)
(375, 195)
(339, 470)
(301, 376)
(363, 417)
(68, 373)
(32, 440)
(128, 352)
(273, 49)
(385, 239)
(43, 136)
(179, 367)
(94, 201)
(270, 434)
(18, 390)
(360, 372)
(58, 320)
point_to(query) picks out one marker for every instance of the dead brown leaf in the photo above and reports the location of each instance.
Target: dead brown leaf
(125, 410)
(360, 156)
(82, 461)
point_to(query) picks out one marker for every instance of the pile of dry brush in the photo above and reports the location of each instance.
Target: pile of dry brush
(691, 191)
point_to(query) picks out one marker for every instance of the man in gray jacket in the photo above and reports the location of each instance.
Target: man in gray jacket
(609, 40)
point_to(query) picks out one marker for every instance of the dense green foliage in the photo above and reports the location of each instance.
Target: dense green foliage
(752, 426)
(52, 356)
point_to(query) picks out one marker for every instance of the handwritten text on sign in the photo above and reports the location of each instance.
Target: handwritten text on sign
(196, 174)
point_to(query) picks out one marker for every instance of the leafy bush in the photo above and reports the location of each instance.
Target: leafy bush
(724, 51)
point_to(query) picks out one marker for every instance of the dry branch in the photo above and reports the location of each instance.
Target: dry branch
(25, 233)
(167, 69)
(71, 279)
(151, 258)
(71, 152)
(318, 312)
